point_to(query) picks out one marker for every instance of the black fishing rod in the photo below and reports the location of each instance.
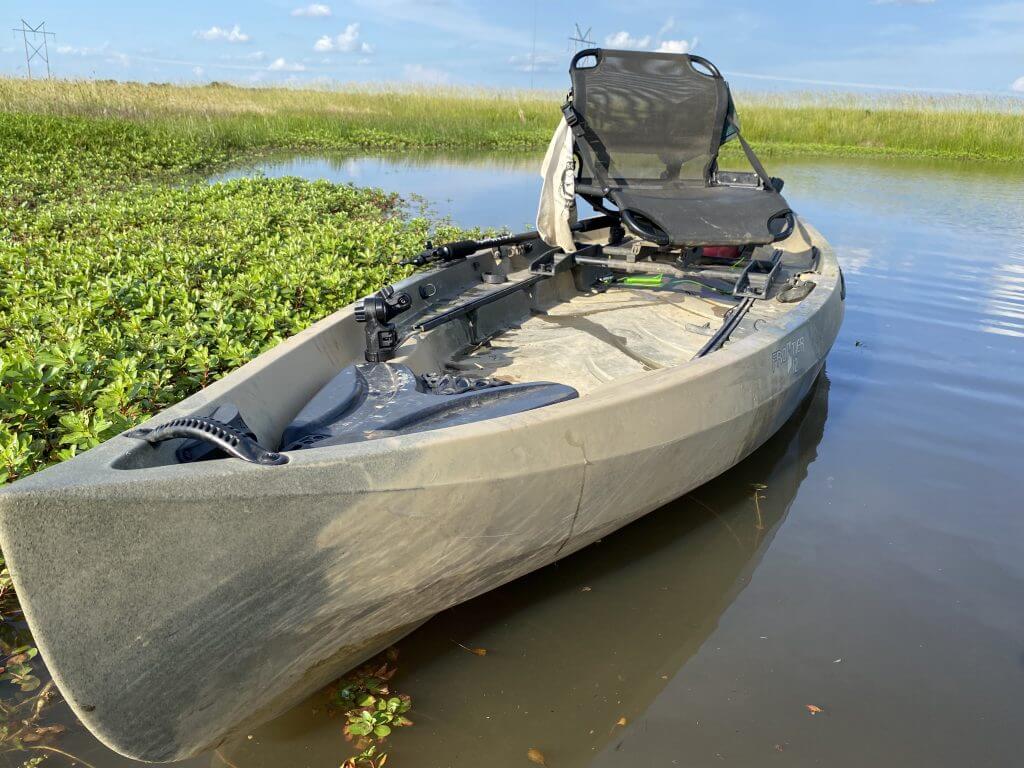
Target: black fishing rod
(460, 249)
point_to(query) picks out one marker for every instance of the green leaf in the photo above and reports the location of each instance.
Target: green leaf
(360, 729)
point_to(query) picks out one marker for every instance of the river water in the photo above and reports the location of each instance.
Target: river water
(877, 576)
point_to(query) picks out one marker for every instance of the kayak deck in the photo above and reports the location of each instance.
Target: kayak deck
(594, 338)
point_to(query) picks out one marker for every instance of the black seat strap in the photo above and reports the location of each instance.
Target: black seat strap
(755, 163)
(600, 164)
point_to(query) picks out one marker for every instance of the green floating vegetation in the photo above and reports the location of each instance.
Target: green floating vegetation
(121, 297)
(372, 711)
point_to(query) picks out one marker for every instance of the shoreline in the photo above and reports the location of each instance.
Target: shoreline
(235, 120)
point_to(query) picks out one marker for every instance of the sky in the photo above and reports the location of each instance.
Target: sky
(939, 46)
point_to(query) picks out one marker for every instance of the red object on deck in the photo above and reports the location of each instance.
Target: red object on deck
(721, 252)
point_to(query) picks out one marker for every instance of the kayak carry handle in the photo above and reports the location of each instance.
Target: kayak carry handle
(217, 433)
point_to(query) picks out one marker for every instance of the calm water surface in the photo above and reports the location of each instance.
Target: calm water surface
(879, 574)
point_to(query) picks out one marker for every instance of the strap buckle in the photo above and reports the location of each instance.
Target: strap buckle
(572, 117)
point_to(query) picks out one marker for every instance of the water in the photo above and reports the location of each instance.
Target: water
(473, 190)
(878, 574)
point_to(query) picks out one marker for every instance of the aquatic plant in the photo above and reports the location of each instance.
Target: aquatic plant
(370, 709)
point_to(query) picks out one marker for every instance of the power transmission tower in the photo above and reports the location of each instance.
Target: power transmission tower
(36, 47)
(581, 39)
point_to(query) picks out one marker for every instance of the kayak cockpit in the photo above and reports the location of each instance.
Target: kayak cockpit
(498, 332)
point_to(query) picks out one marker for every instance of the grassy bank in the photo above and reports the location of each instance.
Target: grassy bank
(228, 119)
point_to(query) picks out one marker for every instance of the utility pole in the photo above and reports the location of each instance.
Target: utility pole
(581, 40)
(37, 47)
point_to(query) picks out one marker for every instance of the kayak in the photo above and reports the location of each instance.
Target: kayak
(478, 420)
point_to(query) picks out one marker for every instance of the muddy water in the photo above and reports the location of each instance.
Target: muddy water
(878, 574)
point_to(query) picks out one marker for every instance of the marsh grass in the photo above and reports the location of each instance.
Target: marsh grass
(237, 118)
(234, 119)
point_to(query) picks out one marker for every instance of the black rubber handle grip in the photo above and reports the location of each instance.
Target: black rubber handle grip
(458, 250)
(217, 433)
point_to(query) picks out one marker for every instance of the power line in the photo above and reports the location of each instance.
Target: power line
(37, 47)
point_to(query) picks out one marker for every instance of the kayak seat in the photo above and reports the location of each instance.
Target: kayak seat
(647, 128)
(714, 216)
(366, 401)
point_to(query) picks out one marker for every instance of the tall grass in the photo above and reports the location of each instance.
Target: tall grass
(242, 118)
(233, 119)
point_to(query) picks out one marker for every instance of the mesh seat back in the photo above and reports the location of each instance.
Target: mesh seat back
(656, 115)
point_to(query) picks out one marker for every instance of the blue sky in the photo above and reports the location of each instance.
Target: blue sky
(931, 45)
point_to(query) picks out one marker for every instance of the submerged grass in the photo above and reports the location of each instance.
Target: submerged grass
(231, 119)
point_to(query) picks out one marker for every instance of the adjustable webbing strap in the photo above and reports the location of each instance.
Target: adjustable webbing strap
(597, 166)
(752, 158)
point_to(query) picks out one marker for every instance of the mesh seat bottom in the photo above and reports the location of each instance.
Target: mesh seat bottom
(716, 215)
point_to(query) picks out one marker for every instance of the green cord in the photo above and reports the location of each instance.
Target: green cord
(655, 281)
(647, 280)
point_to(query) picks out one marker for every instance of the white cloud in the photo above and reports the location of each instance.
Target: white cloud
(72, 50)
(347, 42)
(313, 9)
(233, 35)
(677, 46)
(198, 71)
(280, 65)
(418, 73)
(1018, 85)
(109, 56)
(625, 40)
(539, 63)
